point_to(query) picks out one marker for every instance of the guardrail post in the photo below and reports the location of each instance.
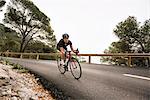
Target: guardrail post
(29, 56)
(129, 61)
(21, 56)
(37, 57)
(89, 59)
(7, 53)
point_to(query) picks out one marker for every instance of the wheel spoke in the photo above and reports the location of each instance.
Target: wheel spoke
(75, 68)
(60, 66)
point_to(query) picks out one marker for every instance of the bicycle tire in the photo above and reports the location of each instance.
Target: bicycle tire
(60, 67)
(75, 68)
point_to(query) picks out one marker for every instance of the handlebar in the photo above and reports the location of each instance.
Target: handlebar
(77, 51)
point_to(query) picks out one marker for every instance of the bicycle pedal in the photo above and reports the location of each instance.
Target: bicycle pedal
(75, 68)
(66, 68)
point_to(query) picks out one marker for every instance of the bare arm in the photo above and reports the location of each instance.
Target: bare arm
(71, 48)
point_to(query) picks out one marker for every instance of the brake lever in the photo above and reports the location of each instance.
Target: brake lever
(77, 51)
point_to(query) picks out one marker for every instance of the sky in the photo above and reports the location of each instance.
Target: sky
(90, 23)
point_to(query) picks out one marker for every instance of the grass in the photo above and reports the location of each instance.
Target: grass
(20, 68)
(17, 66)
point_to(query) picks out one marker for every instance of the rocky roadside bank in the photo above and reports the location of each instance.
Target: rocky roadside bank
(20, 86)
(15, 85)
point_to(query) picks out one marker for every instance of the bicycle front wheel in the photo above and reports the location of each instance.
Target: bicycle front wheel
(75, 68)
(60, 66)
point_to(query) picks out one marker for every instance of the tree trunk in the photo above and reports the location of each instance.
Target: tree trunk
(21, 47)
(22, 43)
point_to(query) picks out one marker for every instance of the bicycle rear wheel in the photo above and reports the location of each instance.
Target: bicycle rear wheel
(75, 68)
(60, 66)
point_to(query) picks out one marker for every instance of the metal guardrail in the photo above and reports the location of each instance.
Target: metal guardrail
(125, 55)
(10, 54)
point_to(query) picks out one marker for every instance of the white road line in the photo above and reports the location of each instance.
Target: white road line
(136, 76)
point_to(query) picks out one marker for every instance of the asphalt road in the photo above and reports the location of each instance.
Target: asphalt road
(98, 82)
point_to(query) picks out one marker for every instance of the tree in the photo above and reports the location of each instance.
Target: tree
(39, 47)
(1, 36)
(128, 31)
(133, 38)
(31, 24)
(9, 39)
(145, 36)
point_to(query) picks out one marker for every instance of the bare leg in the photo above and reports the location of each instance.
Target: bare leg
(62, 53)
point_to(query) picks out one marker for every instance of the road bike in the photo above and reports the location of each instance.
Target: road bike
(72, 62)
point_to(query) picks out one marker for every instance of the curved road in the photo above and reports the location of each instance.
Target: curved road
(98, 82)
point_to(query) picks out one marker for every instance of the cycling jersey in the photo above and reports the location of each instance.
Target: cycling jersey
(61, 43)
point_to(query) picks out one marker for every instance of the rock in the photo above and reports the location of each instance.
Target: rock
(4, 78)
(20, 86)
(4, 98)
(14, 98)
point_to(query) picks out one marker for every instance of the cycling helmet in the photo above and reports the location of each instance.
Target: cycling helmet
(65, 36)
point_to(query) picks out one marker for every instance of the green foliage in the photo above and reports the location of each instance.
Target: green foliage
(133, 38)
(9, 40)
(7, 62)
(20, 68)
(145, 35)
(119, 47)
(31, 24)
(39, 47)
(17, 66)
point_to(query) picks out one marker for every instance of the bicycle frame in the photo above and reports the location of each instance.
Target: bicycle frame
(68, 56)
